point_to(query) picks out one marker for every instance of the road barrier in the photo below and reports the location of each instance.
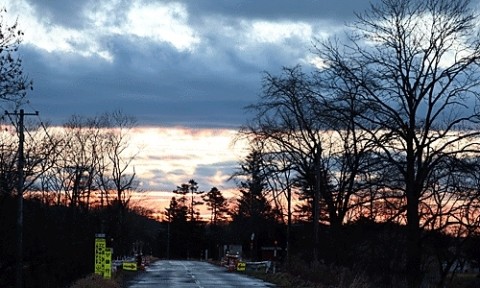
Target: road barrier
(233, 263)
(230, 261)
(258, 265)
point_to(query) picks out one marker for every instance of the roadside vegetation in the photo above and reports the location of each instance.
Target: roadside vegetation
(95, 281)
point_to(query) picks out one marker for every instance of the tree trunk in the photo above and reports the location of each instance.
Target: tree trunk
(414, 249)
(316, 212)
(316, 209)
(289, 221)
(337, 245)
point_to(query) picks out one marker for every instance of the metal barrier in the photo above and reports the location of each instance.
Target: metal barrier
(258, 265)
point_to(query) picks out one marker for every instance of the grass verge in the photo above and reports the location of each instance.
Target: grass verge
(96, 281)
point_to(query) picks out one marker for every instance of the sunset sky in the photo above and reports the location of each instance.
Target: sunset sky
(184, 69)
(168, 157)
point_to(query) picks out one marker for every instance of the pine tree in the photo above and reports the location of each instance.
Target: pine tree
(192, 188)
(217, 205)
(252, 218)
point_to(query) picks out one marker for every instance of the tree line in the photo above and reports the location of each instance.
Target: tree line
(385, 129)
(76, 180)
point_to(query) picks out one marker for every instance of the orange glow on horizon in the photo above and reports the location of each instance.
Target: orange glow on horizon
(168, 157)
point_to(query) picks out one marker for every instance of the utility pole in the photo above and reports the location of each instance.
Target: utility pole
(316, 205)
(20, 167)
(168, 239)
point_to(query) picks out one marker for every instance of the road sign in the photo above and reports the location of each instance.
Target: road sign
(129, 266)
(100, 246)
(107, 264)
(241, 266)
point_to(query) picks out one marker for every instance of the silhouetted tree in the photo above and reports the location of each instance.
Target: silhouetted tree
(281, 184)
(297, 123)
(217, 204)
(252, 202)
(414, 66)
(114, 174)
(80, 160)
(178, 237)
(8, 161)
(252, 217)
(190, 188)
(177, 210)
(14, 83)
(41, 150)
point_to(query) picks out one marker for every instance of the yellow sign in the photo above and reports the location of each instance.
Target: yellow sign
(129, 266)
(107, 264)
(241, 266)
(100, 247)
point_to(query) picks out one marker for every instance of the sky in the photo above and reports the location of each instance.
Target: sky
(184, 69)
(168, 63)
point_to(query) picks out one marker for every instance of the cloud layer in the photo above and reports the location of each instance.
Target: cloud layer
(169, 157)
(189, 63)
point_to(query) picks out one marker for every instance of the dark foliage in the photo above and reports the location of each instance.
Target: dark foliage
(59, 241)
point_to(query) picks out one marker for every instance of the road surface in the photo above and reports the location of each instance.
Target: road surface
(192, 274)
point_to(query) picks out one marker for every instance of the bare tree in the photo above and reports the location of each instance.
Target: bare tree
(8, 156)
(281, 183)
(93, 161)
(13, 82)
(449, 210)
(41, 155)
(115, 173)
(319, 140)
(80, 159)
(414, 65)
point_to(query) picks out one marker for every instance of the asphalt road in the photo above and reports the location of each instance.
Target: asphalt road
(192, 274)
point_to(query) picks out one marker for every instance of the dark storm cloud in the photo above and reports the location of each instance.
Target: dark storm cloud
(65, 85)
(160, 83)
(65, 12)
(201, 74)
(71, 13)
(339, 10)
